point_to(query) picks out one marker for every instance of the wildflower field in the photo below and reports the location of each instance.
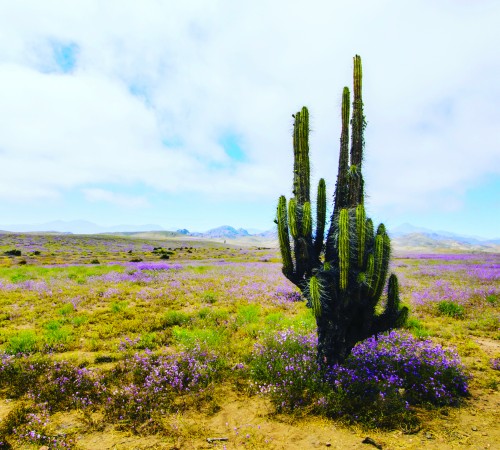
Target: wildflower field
(127, 342)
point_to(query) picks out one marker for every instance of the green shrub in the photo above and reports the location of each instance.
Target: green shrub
(147, 340)
(205, 338)
(247, 314)
(210, 297)
(492, 300)
(66, 309)
(79, 320)
(25, 342)
(416, 327)
(450, 309)
(57, 337)
(172, 318)
(118, 307)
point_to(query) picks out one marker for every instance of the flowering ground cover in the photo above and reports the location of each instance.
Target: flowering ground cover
(103, 337)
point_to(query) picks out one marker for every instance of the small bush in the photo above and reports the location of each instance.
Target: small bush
(376, 385)
(67, 386)
(152, 385)
(284, 367)
(426, 371)
(416, 327)
(30, 427)
(172, 318)
(57, 338)
(208, 338)
(492, 300)
(248, 314)
(118, 307)
(210, 297)
(20, 373)
(25, 342)
(13, 252)
(450, 309)
(65, 310)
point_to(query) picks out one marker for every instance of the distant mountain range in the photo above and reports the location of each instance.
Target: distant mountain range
(405, 236)
(228, 232)
(407, 229)
(77, 227)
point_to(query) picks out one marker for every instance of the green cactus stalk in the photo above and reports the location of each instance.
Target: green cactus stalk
(301, 150)
(342, 276)
(370, 269)
(344, 253)
(284, 240)
(306, 219)
(369, 235)
(320, 216)
(314, 294)
(292, 214)
(342, 188)
(361, 233)
(357, 140)
(378, 263)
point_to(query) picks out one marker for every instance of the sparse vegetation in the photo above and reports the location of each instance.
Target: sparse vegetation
(82, 346)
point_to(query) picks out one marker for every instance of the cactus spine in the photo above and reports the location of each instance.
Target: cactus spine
(342, 276)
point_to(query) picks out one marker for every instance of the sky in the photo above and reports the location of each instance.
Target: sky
(179, 114)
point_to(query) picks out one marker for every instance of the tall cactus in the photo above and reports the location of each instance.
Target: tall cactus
(343, 275)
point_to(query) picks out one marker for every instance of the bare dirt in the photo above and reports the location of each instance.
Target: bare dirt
(249, 423)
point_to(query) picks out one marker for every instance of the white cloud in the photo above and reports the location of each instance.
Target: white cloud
(201, 68)
(102, 195)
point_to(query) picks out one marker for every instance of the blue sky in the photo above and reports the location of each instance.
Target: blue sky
(180, 113)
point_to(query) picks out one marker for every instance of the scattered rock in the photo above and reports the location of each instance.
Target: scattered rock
(428, 435)
(217, 439)
(474, 428)
(44, 448)
(328, 444)
(369, 440)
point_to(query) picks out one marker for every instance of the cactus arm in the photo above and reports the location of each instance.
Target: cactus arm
(306, 220)
(377, 264)
(292, 218)
(320, 216)
(382, 255)
(370, 236)
(342, 186)
(284, 239)
(315, 295)
(344, 253)
(394, 315)
(358, 124)
(341, 196)
(301, 187)
(361, 233)
(370, 269)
